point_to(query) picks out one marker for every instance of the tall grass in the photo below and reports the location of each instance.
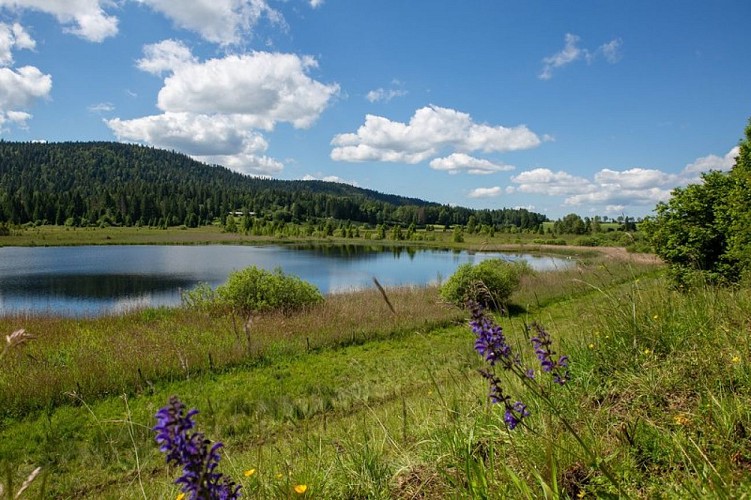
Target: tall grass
(93, 358)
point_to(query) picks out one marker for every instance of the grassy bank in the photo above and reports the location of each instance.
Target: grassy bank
(63, 236)
(354, 401)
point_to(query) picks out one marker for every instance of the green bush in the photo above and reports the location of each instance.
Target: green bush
(587, 241)
(253, 290)
(490, 282)
(201, 297)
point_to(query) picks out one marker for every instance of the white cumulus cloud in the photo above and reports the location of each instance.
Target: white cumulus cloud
(215, 139)
(329, 178)
(491, 192)
(430, 130)
(462, 162)
(101, 107)
(19, 89)
(611, 51)
(224, 22)
(567, 55)
(165, 56)
(84, 18)
(545, 181)
(212, 110)
(691, 173)
(634, 178)
(571, 52)
(264, 87)
(13, 36)
(385, 95)
(615, 189)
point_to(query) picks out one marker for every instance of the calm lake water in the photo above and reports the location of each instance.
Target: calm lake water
(95, 280)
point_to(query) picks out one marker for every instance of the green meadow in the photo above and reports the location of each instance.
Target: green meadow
(349, 399)
(50, 235)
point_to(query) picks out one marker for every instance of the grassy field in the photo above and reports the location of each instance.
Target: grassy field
(354, 401)
(61, 235)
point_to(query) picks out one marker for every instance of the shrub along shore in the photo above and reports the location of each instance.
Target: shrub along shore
(348, 399)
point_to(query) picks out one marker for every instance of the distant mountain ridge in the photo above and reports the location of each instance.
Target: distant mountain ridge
(84, 183)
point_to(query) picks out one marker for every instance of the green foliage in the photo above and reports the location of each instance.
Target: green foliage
(490, 283)
(253, 290)
(107, 183)
(230, 225)
(739, 207)
(458, 236)
(704, 231)
(690, 232)
(570, 224)
(201, 297)
(588, 241)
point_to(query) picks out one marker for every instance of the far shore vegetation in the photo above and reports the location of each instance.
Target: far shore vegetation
(453, 237)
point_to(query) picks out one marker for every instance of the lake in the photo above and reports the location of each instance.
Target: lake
(96, 280)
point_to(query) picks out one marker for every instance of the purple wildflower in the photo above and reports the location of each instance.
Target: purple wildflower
(193, 452)
(496, 391)
(514, 414)
(542, 344)
(490, 341)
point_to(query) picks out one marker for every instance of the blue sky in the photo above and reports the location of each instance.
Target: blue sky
(593, 107)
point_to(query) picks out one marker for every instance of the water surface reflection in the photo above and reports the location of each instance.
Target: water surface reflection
(92, 280)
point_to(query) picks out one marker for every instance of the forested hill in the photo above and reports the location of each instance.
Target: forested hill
(84, 183)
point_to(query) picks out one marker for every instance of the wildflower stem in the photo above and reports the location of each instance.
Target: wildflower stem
(591, 454)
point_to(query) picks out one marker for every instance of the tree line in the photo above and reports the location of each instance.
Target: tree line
(107, 183)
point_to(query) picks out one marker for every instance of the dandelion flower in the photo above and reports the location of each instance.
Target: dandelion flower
(736, 359)
(249, 472)
(301, 488)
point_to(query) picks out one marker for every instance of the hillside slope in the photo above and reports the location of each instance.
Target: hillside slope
(83, 183)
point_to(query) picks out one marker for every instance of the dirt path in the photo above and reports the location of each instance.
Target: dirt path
(620, 253)
(617, 253)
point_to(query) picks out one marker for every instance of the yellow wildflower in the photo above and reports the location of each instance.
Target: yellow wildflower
(591, 346)
(301, 488)
(680, 419)
(655, 316)
(180, 496)
(647, 351)
(736, 359)
(249, 472)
